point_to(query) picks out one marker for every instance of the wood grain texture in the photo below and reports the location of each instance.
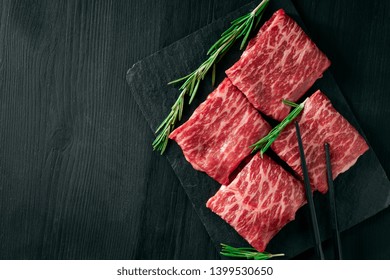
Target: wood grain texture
(78, 179)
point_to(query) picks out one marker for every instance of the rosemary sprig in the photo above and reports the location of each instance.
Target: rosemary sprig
(240, 27)
(248, 253)
(264, 143)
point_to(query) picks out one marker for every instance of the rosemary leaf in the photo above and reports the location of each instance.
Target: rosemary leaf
(195, 89)
(213, 74)
(290, 103)
(248, 253)
(264, 143)
(239, 28)
(249, 29)
(240, 19)
(179, 80)
(257, 22)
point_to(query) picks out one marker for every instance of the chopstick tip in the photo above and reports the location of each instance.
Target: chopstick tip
(326, 144)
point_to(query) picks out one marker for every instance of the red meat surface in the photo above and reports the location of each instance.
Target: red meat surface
(259, 201)
(218, 135)
(281, 62)
(320, 123)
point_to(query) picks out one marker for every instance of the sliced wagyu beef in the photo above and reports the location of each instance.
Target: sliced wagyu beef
(320, 123)
(281, 62)
(218, 135)
(259, 201)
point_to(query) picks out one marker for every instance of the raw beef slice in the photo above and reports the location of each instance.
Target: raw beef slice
(319, 123)
(218, 135)
(259, 201)
(281, 62)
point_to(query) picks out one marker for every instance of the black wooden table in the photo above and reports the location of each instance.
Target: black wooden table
(78, 178)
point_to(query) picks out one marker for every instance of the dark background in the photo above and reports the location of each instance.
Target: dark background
(78, 178)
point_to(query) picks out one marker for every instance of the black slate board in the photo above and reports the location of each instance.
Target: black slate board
(361, 192)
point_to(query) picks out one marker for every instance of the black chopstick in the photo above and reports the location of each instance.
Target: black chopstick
(309, 196)
(332, 204)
